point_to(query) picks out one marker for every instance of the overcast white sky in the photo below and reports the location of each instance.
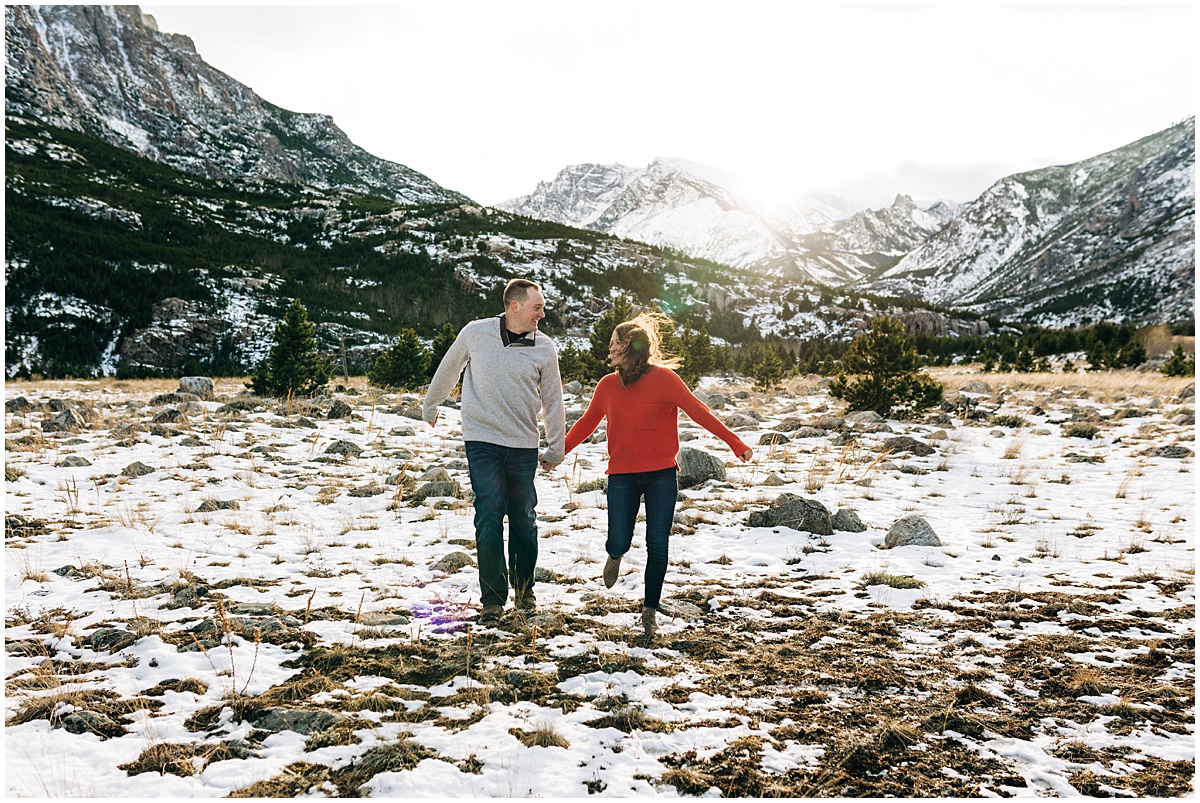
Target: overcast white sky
(490, 97)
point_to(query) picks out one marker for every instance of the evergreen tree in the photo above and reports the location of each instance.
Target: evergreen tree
(576, 364)
(880, 371)
(765, 367)
(404, 365)
(699, 359)
(1179, 364)
(440, 345)
(293, 367)
(1131, 355)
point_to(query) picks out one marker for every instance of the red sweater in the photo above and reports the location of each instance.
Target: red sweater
(643, 421)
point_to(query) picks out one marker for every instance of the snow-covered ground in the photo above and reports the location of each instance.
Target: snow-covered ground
(218, 602)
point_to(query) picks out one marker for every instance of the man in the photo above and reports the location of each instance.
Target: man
(511, 373)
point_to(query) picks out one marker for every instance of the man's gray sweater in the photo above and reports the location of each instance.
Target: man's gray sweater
(503, 389)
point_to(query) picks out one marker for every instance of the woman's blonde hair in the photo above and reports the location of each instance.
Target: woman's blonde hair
(641, 339)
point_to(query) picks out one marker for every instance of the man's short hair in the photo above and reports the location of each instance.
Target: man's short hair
(518, 290)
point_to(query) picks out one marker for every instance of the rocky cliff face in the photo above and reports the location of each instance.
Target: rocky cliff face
(109, 72)
(1110, 238)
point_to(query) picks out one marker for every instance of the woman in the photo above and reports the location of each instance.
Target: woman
(641, 401)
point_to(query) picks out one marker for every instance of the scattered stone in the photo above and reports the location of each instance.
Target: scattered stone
(344, 447)
(111, 639)
(1073, 457)
(193, 685)
(829, 422)
(905, 443)
(169, 416)
(978, 386)
(402, 432)
(716, 400)
(680, 609)
(574, 387)
(453, 563)
(433, 489)
(737, 420)
(384, 618)
(73, 461)
(697, 466)
(298, 720)
(137, 469)
(340, 409)
(847, 521)
(20, 406)
(371, 489)
(199, 386)
(910, 469)
(864, 417)
(213, 505)
(790, 510)
(79, 722)
(774, 480)
(1168, 451)
(789, 425)
(911, 530)
(938, 435)
(773, 438)
(809, 432)
(66, 421)
(435, 474)
(415, 412)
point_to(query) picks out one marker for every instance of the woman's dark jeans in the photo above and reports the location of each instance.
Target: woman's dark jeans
(625, 492)
(502, 479)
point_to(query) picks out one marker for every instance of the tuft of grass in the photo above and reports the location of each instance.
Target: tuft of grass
(892, 580)
(1080, 430)
(542, 736)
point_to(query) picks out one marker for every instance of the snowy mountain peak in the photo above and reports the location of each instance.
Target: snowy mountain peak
(109, 72)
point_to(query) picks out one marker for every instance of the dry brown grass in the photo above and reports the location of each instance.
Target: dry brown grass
(1102, 386)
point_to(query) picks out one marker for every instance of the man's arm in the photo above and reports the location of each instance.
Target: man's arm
(554, 412)
(446, 376)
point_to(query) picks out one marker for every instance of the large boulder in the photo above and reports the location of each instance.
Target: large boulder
(911, 530)
(790, 510)
(697, 466)
(200, 386)
(847, 521)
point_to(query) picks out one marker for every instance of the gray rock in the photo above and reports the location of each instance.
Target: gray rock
(789, 510)
(213, 505)
(697, 466)
(169, 416)
(298, 720)
(363, 491)
(78, 722)
(864, 417)
(252, 608)
(73, 461)
(680, 609)
(809, 432)
(829, 422)
(773, 438)
(453, 563)
(847, 521)
(574, 387)
(977, 387)
(200, 386)
(433, 489)
(384, 618)
(1172, 451)
(773, 480)
(137, 469)
(339, 409)
(343, 447)
(789, 425)
(66, 421)
(715, 400)
(740, 420)
(911, 530)
(904, 443)
(435, 474)
(402, 432)
(111, 639)
(20, 406)
(939, 435)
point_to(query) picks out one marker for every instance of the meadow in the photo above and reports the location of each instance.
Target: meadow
(248, 597)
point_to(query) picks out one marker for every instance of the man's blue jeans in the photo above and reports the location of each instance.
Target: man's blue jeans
(625, 493)
(502, 479)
